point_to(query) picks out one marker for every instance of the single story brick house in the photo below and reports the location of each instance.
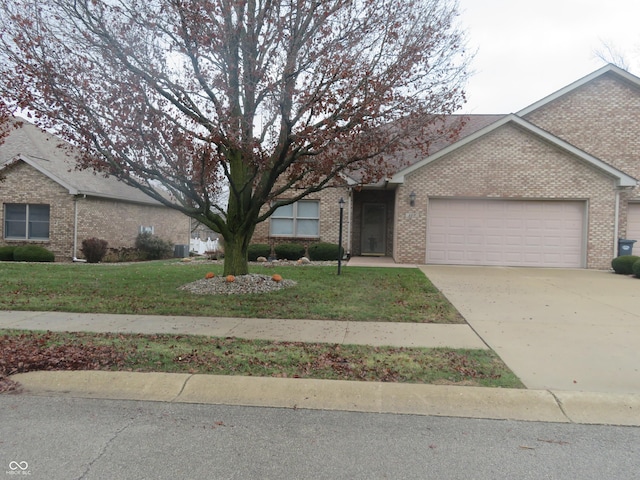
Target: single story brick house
(553, 185)
(45, 200)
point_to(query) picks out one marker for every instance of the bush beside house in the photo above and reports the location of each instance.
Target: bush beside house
(635, 268)
(32, 253)
(258, 250)
(623, 265)
(289, 251)
(153, 247)
(94, 249)
(324, 251)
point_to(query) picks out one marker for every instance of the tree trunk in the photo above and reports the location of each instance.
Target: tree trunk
(236, 260)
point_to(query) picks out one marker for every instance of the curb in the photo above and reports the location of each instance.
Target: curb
(369, 397)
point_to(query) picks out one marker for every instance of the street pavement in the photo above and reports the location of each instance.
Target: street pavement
(62, 438)
(496, 302)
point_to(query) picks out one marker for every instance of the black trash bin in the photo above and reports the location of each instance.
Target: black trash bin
(625, 247)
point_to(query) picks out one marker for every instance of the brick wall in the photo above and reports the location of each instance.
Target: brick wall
(603, 119)
(119, 222)
(507, 163)
(116, 222)
(24, 184)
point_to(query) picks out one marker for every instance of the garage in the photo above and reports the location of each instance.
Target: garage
(633, 225)
(506, 232)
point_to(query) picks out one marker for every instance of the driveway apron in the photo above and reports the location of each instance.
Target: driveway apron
(555, 328)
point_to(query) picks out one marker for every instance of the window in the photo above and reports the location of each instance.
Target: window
(300, 219)
(26, 222)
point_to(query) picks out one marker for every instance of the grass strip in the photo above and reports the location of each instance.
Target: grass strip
(28, 350)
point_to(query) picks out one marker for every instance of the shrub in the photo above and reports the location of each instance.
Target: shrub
(635, 268)
(623, 264)
(94, 249)
(33, 253)
(325, 251)
(124, 254)
(6, 253)
(153, 247)
(289, 251)
(256, 250)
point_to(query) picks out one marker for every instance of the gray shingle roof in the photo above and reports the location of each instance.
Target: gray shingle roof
(43, 152)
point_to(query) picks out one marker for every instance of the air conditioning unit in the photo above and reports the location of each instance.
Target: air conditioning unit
(181, 251)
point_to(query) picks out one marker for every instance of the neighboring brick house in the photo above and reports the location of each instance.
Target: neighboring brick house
(45, 200)
(554, 185)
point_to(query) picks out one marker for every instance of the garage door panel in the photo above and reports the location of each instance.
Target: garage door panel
(505, 232)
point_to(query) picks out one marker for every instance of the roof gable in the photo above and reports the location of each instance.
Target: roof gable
(45, 153)
(607, 69)
(622, 179)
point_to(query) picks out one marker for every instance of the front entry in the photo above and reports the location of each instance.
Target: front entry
(373, 235)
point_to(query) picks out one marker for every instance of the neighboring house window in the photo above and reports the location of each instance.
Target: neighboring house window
(26, 222)
(300, 219)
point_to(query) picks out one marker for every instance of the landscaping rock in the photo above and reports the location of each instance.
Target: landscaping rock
(242, 284)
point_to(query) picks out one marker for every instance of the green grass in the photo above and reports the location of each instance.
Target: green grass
(232, 356)
(358, 294)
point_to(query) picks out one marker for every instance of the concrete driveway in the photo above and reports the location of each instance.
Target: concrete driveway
(555, 328)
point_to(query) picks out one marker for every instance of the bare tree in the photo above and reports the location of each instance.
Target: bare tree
(611, 54)
(267, 96)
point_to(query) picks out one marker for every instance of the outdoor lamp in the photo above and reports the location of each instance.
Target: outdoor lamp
(412, 199)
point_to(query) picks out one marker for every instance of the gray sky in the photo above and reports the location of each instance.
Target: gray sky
(528, 49)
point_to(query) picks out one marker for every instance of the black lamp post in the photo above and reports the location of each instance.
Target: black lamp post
(341, 203)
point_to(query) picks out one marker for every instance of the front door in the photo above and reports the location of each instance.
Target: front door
(372, 239)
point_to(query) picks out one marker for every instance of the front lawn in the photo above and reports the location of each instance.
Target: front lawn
(358, 294)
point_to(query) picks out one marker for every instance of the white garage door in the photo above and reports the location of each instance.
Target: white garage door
(505, 232)
(633, 225)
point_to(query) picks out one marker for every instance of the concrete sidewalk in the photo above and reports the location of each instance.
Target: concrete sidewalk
(323, 331)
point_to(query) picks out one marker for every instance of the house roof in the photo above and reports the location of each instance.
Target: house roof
(607, 69)
(43, 152)
(471, 134)
(468, 124)
(622, 179)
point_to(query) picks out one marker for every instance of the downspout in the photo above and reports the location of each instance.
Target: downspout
(350, 206)
(616, 222)
(75, 230)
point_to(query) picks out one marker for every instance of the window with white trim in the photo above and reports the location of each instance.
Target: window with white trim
(26, 221)
(300, 219)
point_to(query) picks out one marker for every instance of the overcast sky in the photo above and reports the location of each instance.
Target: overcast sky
(528, 49)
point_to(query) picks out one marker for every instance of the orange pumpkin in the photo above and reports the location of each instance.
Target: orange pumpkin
(230, 278)
(276, 278)
(210, 275)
